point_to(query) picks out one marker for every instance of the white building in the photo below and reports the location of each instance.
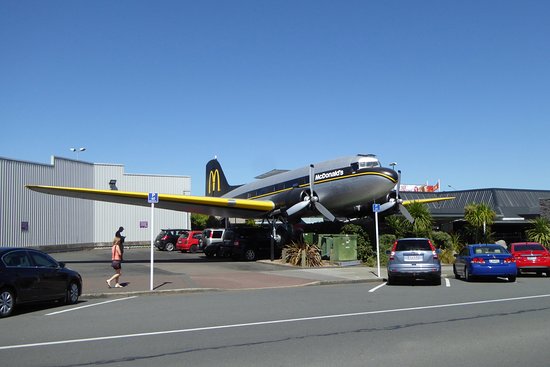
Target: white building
(32, 219)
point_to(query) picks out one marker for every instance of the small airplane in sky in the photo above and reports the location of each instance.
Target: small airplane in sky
(340, 189)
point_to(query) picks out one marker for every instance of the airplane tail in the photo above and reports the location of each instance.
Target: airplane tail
(216, 184)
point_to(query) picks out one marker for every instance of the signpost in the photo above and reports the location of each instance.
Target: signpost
(376, 209)
(152, 199)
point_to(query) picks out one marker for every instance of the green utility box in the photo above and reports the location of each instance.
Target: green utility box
(324, 242)
(344, 248)
(310, 238)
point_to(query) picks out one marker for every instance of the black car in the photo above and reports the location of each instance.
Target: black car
(168, 238)
(249, 243)
(28, 275)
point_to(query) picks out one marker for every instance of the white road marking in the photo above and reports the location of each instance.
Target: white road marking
(95, 304)
(273, 322)
(378, 286)
(447, 282)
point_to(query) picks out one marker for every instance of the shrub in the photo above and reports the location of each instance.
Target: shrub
(293, 253)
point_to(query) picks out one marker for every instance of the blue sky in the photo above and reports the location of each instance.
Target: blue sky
(451, 90)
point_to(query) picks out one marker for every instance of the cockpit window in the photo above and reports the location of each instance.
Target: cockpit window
(368, 162)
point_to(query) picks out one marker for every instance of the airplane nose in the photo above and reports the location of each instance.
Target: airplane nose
(392, 175)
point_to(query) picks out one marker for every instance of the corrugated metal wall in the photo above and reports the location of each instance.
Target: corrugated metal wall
(28, 218)
(33, 219)
(109, 217)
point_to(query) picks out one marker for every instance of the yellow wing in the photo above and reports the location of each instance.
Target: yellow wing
(224, 207)
(427, 201)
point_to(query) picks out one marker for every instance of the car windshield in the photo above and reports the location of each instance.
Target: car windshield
(409, 245)
(489, 250)
(529, 247)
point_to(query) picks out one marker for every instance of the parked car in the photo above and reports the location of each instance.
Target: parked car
(531, 257)
(484, 260)
(190, 241)
(249, 243)
(167, 238)
(28, 276)
(211, 240)
(414, 258)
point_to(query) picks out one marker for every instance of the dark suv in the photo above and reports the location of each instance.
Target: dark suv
(249, 243)
(167, 238)
(414, 258)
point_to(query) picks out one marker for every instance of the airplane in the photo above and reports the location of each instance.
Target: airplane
(341, 189)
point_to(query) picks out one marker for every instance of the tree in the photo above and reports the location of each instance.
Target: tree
(540, 232)
(400, 226)
(198, 221)
(479, 216)
(423, 221)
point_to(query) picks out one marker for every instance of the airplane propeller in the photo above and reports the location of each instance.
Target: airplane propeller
(311, 201)
(397, 201)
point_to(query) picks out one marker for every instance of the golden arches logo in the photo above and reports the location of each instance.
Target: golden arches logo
(213, 179)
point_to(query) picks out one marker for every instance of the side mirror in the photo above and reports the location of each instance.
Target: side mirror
(61, 264)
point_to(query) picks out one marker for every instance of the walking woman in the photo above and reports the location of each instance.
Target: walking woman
(116, 258)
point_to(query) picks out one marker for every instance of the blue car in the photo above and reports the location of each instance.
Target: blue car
(485, 260)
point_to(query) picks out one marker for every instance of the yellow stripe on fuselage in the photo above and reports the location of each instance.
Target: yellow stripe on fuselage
(324, 181)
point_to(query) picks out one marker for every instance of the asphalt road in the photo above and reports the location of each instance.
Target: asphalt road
(483, 323)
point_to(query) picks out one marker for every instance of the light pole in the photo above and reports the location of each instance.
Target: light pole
(449, 186)
(77, 150)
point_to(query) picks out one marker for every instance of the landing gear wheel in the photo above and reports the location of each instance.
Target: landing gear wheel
(7, 302)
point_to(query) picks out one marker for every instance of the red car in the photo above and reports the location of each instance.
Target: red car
(531, 257)
(190, 241)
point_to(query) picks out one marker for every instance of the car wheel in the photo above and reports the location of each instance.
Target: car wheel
(437, 281)
(72, 294)
(548, 273)
(169, 247)
(467, 276)
(209, 254)
(193, 249)
(391, 280)
(7, 302)
(249, 254)
(512, 278)
(457, 276)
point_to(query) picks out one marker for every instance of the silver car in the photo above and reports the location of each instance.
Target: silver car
(414, 258)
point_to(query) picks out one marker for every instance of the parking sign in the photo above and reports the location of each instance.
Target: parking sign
(153, 198)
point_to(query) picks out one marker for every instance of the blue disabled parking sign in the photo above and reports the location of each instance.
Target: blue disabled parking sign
(153, 198)
(375, 208)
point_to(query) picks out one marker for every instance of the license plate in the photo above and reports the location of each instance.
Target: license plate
(532, 258)
(494, 261)
(413, 258)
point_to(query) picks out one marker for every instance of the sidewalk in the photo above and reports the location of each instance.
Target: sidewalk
(178, 273)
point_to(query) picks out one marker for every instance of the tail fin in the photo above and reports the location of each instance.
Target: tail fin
(216, 183)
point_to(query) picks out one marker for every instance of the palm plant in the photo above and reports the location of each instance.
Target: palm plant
(423, 221)
(479, 216)
(540, 232)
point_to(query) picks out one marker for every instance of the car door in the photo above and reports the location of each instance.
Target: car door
(53, 281)
(462, 260)
(22, 275)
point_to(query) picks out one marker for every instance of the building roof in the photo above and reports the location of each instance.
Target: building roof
(509, 204)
